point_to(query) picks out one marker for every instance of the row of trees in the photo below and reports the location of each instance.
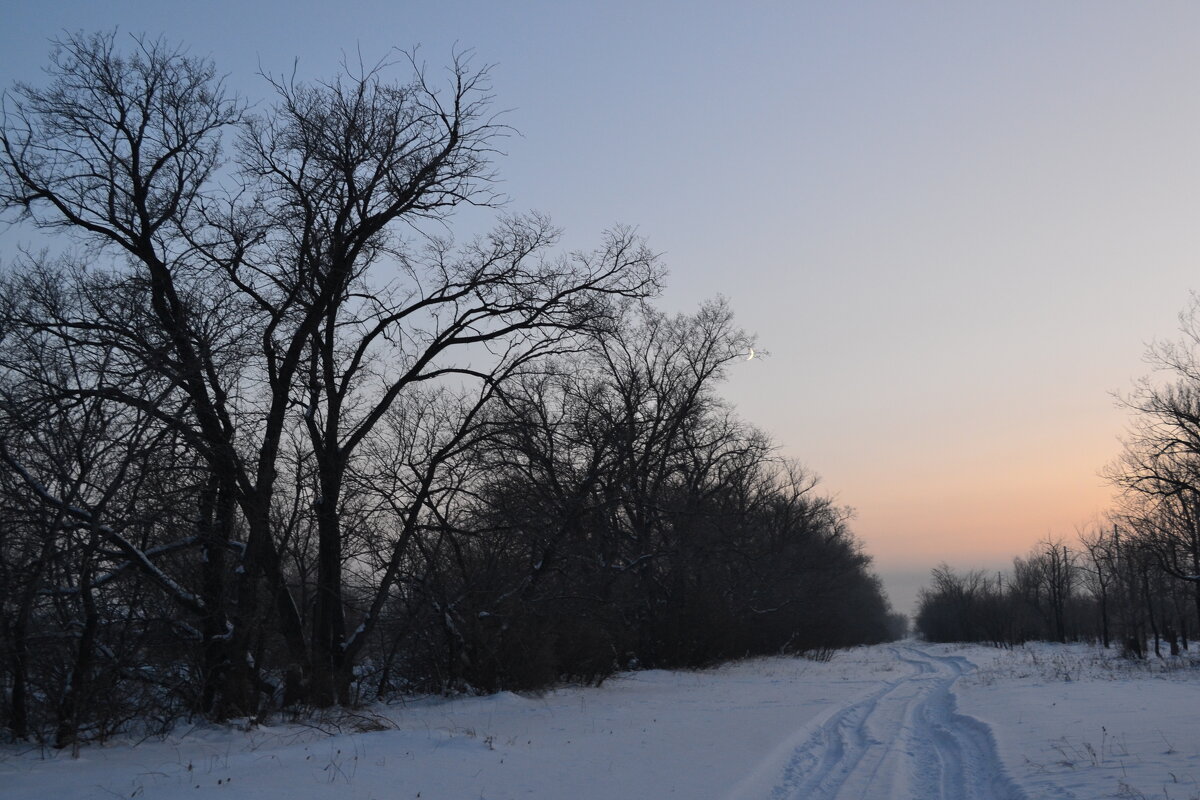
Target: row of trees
(1134, 580)
(270, 436)
(1109, 588)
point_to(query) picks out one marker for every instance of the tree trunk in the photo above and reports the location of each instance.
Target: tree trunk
(18, 722)
(1150, 612)
(1104, 618)
(70, 705)
(330, 678)
(226, 688)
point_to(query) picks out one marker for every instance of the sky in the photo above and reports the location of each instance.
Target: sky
(954, 226)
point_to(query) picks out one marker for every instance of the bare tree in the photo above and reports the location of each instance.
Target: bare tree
(1159, 471)
(265, 307)
(1099, 571)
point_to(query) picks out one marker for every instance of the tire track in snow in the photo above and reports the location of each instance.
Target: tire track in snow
(903, 740)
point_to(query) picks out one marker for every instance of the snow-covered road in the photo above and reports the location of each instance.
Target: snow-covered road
(902, 740)
(891, 722)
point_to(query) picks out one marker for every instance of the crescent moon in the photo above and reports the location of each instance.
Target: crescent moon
(751, 354)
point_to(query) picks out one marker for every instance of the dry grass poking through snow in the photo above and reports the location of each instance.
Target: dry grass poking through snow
(1077, 721)
(1048, 662)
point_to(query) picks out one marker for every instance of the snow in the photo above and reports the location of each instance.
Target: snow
(902, 720)
(1078, 722)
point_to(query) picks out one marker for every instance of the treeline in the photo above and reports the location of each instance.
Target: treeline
(270, 438)
(1109, 589)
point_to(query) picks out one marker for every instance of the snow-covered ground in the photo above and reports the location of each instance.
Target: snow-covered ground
(895, 721)
(1076, 722)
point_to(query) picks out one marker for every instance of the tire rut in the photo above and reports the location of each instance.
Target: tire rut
(904, 740)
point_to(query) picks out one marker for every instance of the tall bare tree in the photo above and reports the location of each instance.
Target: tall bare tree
(293, 300)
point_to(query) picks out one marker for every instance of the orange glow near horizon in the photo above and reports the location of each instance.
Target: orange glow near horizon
(974, 498)
(971, 527)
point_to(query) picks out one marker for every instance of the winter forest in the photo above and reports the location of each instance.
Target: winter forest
(274, 437)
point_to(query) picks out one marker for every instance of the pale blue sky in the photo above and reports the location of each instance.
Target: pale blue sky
(953, 225)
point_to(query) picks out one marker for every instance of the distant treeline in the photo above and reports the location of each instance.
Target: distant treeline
(269, 438)
(1110, 590)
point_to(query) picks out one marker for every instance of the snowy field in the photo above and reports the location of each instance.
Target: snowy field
(893, 721)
